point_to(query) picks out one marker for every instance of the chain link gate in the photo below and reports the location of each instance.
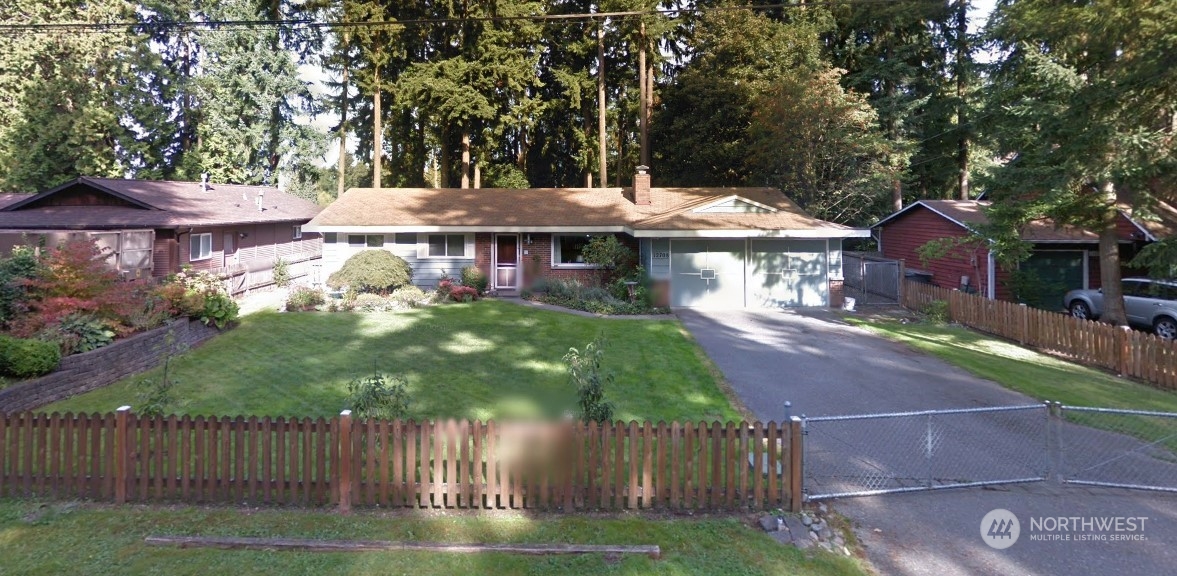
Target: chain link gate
(1117, 448)
(867, 454)
(894, 452)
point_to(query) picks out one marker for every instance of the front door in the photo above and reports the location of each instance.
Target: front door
(506, 266)
(230, 251)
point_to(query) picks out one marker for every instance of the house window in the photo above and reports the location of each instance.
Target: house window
(297, 232)
(446, 246)
(406, 238)
(369, 240)
(136, 249)
(568, 250)
(201, 247)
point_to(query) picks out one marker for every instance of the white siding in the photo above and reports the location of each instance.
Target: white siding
(426, 271)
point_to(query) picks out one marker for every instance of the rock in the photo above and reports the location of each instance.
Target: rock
(806, 520)
(823, 508)
(768, 523)
(826, 546)
(845, 550)
(817, 526)
(838, 541)
(878, 530)
(826, 533)
(803, 543)
(793, 525)
(813, 536)
(783, 537)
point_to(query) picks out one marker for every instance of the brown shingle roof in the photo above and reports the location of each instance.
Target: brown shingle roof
(971, 213)
(163, 204)
(670, 209)
(1160, 219)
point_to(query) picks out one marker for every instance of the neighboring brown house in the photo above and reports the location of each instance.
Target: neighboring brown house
(1066, 257)
(152, 228)
(716, 247)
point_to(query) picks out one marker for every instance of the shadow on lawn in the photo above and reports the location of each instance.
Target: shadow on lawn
(466, 361)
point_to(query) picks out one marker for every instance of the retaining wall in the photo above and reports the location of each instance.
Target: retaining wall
(88, 371)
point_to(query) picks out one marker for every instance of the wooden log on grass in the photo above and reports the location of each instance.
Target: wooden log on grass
(307, 545)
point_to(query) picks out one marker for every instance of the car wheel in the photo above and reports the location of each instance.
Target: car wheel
(1080, 310)
(1165, 328)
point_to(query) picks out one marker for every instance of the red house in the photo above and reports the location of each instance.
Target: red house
(1066, 257)
(152, 228)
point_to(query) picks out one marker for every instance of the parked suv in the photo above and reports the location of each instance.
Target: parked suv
(1148, 303)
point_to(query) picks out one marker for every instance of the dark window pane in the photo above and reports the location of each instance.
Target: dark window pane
(456, 245)
(375, 241)
(406, 238)
(437, 244)
(572, 249)
(355, 240)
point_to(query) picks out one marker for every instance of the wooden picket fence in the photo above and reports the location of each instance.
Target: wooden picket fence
(567, 466)
(1128, 352)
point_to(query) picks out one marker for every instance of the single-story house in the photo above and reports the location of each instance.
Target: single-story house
(152, 228)
(715, 247)
(1066, 257)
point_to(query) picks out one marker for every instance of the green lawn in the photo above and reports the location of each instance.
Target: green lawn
(90, 539)
(475, 361)
(1034, 374)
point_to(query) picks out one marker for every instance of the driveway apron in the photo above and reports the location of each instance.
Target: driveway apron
(825, 367)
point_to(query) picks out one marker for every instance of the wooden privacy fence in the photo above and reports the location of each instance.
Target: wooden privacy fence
(1128, 352)
(567, 466)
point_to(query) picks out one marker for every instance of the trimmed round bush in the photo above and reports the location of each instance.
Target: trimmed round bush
(304, 298)
(26, 358)
(372, 303)
(378, 271)
(408, 296)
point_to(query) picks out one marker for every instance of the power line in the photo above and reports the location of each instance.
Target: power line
(140, 26)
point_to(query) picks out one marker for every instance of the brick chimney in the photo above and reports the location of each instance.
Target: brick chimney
(641, 186)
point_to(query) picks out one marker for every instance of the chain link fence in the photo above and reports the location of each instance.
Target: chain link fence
(871, 279)
(868, 454)
(1119, 448)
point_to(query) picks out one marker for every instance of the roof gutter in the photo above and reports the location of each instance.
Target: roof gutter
(636, 233)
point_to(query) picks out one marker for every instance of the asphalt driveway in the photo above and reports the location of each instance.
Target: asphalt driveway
(824, 366)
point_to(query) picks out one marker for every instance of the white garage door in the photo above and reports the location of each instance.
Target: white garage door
(707, 273)
(783, 273)
(757, 273)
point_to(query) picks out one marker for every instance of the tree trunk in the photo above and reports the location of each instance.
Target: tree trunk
(602, 153)
(648, 108)
(342, 183)
(444, 156)
(465, 158)
(962, 143)
(377, 134)
(1109, 261)
(643, 115)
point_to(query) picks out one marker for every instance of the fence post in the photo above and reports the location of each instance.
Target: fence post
(1054, 450)
(901, 281)
(342, 475)
(796, 450)
(928, 451)
(122, 453)
(1122, 350)
(1024, 314)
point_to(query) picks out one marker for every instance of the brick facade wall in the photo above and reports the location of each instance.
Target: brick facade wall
(537, 260)
(88, 371)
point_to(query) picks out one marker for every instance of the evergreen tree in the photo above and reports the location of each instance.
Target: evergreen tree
(62, 113)
(250, 99)
(1082, 109)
